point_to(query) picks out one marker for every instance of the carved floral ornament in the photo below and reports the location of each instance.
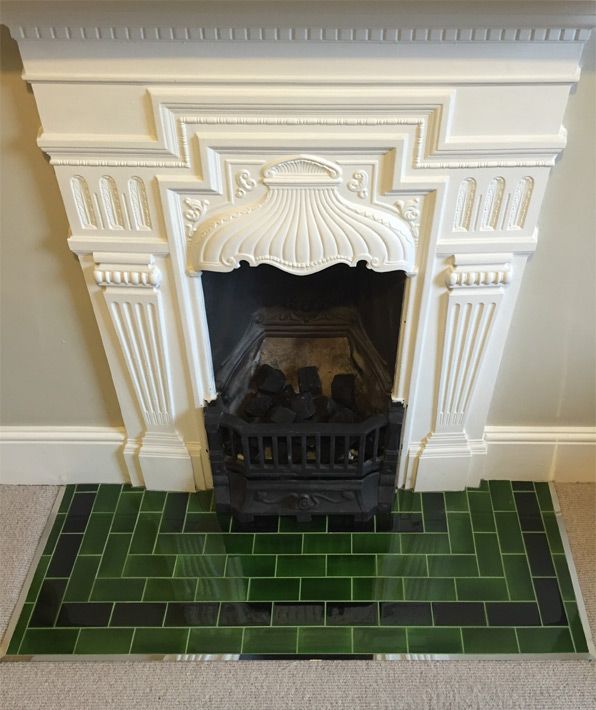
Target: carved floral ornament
(302, 225)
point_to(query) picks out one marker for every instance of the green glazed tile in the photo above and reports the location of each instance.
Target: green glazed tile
(168, 590)
(326, 589)
(481, 511)
(456, 501)
(54, 533)
(377, 640)
(378, 589)
(215, 641)
(149, 566)
(425, 589)
(424, 543)
(264, 589)
(460, 533)
(433, 506)
(431, 640)
(114, 555)
(489, 556)
(330, 542)
(565, 583)
(277, 544)
(179, 543)
(351, 565)
(502, 495)
(229, 544)
(292, 525)
(234, 589)
(92, 641)
(518, 578)
(489, 640)
(483, 485)
(206, 522)
(145, 533)
(575, 625)
(19, 630)
(452, 566)
(200, 566)
(106, 498)
(300, 566)
(82, 578)
(272, 640)
(118, 590)
(552, 532)
(200, 502)
(509, 532)
(127, 510)
(66, 499)
(545, 640)
(408, 501)
(159, 641)
(96, 534)
(376, 542)
(55, 641)
(318, 640)
(153, 501)
(38, 576)
(481, 589)
(402, 565)
(250, 566)
(545, 500)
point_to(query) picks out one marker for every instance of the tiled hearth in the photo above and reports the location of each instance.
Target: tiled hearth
(127, 571)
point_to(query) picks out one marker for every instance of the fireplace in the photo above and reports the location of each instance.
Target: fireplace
(302, 182)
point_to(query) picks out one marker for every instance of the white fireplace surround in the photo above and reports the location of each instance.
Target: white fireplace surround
(189, 137)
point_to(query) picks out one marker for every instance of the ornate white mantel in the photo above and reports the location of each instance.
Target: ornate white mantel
(188, 137)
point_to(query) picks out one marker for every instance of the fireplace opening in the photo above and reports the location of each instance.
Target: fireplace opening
(303, 422)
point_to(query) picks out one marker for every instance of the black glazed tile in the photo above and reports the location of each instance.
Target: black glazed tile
(138, 614)
(174, 512)
(65, 554)
(539, 556)
(258, 614)
(206, 522)
(79, 512)
(264, 523)
(406, 614)
(512, 614)
(191, 614)
(352, 614)
(298, 614)
(400, 522)
(522, 485)
(528, 511)
(433, 506)
(346, 523)
(459, 614)
(48, 602)
(549, 601)
(81, 614)
(87, 487)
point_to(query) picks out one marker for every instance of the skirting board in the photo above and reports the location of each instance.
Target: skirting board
(59, 455)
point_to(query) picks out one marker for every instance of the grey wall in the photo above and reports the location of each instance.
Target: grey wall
(53, 370)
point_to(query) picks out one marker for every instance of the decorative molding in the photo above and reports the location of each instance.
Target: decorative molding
(113, 270)
(463, 206)
(359, 183)
(520, 201)
(194, 213)
(410, 210)
(479, 275)
(244, 183)
(297, 34)
(303, 225)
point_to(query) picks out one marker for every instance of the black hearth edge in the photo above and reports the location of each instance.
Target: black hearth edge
(303, 469)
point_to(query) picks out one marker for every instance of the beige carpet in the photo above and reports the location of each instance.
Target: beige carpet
(316, 685)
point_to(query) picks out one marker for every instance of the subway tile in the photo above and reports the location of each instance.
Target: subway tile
(351, 565)
(512, 614)
(288, 524)
(522, 485)
(458, 614)
(106, 498)
(324, 640)
(80, 614)
(552, 532)
(326, 588)
(250, 566)
(272, 640)
(114, 555)
(406, 614)
(539, 556)
(160, 641)
(165, 589)
(217, 589)
(249, 614)
(376, 542)
(433, 506)
(481, 511)
(118, 590)
(352, 613)
(488, 554)
(576, 628)
(82, 578)
(278, 544)
(198, 566)
(179, 544)
(99, 641)
(200, 502)
(215, 641)
(429, 543)
(402, 565)
(174, 512)
(426, 589)
(229, 544)
(528, 510)
(452, 566)
(518, 578)
(273, 589)
(206, 522)
(550, 603)
(19, 630)
(65, 554)
(501, 495)
(377, 588)
(456, 501)
(400, 522)
(150, 565)
(546, 640)
(408, 501)
(300, 566)
(481, 589)
(54, 534)
(54, 641)
(96, 533)
(48, 602)
(261, 524)
(143, 539)
(497, 640)
(66, 499)
(509, 532)
(78, 512)
(191, 614)
(433, 640)
(380, 640)
(38, 578)
(347, 523)
(298, 614)
(153, 501)
(564, 577)
(138, 614)
(125, 517)
(545, 500)
(332, 542)
(460, 533)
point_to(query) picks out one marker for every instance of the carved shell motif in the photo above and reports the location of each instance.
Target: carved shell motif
(302, 225)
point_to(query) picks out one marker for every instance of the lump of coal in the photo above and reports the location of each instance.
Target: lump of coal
(258, 405)
(269, 379)
(304, 406)
(309, 380)
(343, 390)
(343, 416)
(282, 415)
(324, 408)
(286, 396)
